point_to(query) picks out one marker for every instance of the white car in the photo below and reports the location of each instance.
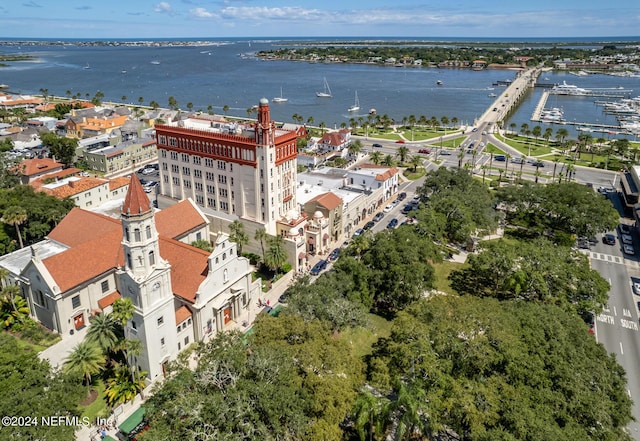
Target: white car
(636, 288)
(628, 249)
(626, 238)
(388, 208)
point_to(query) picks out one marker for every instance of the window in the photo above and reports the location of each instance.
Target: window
(129, 261)
(208, 176)
(152, 258)
(148, 231)
(134, 325)
(189, 321)
(196, 160)
(186, 171)
(40, 300)
(178, 330)
(75, 302)
(197, 173)
(160, 320)
(136, 235)
(186, 340)
(225, 275)
(174, 156)
(187, 183)
(199, 186)
(104, 286)
(126, 234)
(185, 157)
(175, 168)
(162, 342)
(176, 181)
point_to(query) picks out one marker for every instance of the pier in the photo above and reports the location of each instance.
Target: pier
(537, 112)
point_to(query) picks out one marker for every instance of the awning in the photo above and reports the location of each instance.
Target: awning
(302, 255)
(311, 241)
(131, 424)
(326, 236)
(109, 299)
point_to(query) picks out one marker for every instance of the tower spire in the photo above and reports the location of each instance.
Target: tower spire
(136, 202)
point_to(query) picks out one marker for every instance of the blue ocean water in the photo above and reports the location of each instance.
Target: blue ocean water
(223, 73)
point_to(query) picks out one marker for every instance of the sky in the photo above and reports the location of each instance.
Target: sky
(318, 18)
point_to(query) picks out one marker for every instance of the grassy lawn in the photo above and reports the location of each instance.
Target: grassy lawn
(442, 271)
(411, 175)
(99, 406)
(362, 339)
(524, 145)
(490, 148)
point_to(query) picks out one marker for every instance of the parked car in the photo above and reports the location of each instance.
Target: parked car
(377, 144)
(609, 239)
(407, 208)
(475, 129)
(400, 141)
(357, 233)
(377, 217)
(392, 223)
(148, 171)
(369, 225)
(334, 254)
(402, 196)
(500, 157)
(626, 238)
(445, 152)
(628, 249)
(625, 229)
(426, 151)
(318, 267)
(283, 298)
(388, 208)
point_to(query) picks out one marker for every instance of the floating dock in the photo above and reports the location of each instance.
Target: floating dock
(537, 112)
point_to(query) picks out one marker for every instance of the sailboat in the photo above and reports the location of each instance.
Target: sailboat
(356, 105)
(87, 66)
(280, 99)
(327, 91)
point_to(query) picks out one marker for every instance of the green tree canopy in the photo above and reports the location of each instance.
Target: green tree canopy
(568, 207)
(64, 149)
(493, 370)
(537, 271)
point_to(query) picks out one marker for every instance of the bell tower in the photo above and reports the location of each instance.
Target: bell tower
(145, 278)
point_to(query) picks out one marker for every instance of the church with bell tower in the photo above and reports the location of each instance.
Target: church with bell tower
(145, 278)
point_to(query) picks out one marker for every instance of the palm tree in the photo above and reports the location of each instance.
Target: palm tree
(13, 307)
(103, 332)
(261, 235)
(355, 147)
(561, 134)
(123, 98)
(190, 106)
(368, 410)
(210, 109)
(276, 254)
(15, 215)
(402, 153)
(388, 161)
(547, 134)
(322, 126)
(122, 387)
(154, 104)
(238, 235)
(140, 100)
(555, 165)
(376, 157)
(85, 359)
(524, 127)
(513, 126)
(173, 103)
(123, 310)
(415, 161)
(484, 171)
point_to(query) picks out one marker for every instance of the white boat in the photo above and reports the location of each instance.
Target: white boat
(123, 71)
(87, 66)
(280, 99)
(439, 82)
(155, 62)
(492, 95)
(356, 105)
(568, 89)
(326, 93)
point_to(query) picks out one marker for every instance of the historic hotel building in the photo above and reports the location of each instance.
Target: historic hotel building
(246, 170)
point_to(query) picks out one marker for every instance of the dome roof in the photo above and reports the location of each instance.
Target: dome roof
(293, 232)
(264, 101)
(318, 215)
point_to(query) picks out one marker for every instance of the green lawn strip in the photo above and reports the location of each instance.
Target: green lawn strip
(490, 148)
(411, 175)
(99, 408)
(442, 271)
(26, 345)
(362, 339)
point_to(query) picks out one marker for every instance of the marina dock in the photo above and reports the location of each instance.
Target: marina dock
(537, 112)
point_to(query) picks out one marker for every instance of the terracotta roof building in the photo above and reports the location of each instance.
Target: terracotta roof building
(181, 293)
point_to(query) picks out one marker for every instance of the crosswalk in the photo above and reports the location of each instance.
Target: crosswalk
(606, 257)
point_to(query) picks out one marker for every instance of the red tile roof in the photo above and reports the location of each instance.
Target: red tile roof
(74, 187)
(179, 219)
(120, 182)
(109, 299)
(328, 200)
(30, 167)
(95, 248)
(136, 201)
(182, 313)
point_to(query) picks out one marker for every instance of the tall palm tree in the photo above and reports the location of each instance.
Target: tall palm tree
(368, 410)
(547, 134)
(260, 235)
(85, 359)
(238, 235)
(15, 215)
(276, 254)
(562, 133)
(388, 161)
(376, 157)
(123, 310)
(225, 109)
(415, 161)
(402, 153)
(122, 387)
(355, 147)
(103, 331)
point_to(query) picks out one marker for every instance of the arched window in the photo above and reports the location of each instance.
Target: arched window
(136, 235)
(129, 261)
(152, 258)
(224, 256)
(225, 275)
(148, 231)
(126, 234)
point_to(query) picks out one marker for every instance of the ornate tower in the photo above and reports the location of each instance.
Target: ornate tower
(145, 278)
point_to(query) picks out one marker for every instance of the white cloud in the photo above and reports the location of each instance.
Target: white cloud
(163, 7)
(202, 13)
